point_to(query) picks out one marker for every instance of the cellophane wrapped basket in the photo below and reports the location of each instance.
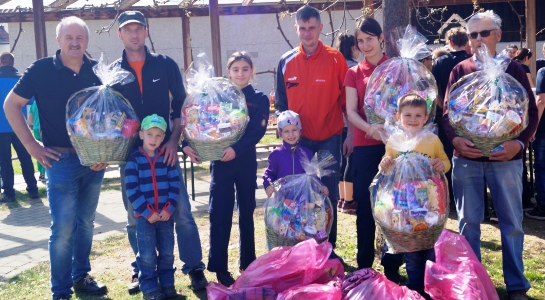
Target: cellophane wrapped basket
(410, 199)
(214, 114)
(489, 106)
(299, 210)
(399, 76)
(101, 123)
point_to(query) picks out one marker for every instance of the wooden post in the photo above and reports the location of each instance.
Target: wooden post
(186, 40)
(215, 36)
(531, 33)
(39, 28)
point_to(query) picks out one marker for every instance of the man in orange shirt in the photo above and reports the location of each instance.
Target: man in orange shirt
(310, 83)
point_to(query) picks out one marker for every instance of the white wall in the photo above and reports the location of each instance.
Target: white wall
(256, 34)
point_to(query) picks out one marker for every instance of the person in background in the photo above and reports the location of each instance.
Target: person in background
(502, 170)
(8, 78)
(540, 62)
(511, 50)
(523, 56)
(346, 44)
(158, 89)
(237, 169)
(72, 189)
(438, 52)
(34, 122)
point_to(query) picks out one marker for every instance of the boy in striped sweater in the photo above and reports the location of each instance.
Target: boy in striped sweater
(152, 188)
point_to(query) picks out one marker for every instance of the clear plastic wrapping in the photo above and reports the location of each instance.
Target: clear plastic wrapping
(489, 106)
(298, 209)
(214, 110)
(399, 76)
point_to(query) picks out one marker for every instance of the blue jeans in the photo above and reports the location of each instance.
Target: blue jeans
(153, 265)
(72, 191)
(187, 233)
(503, 179)
(539, 167)
(333, 146)
(415, 262)
(6, 168)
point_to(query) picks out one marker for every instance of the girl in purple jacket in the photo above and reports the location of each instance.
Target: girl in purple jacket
(286, 159)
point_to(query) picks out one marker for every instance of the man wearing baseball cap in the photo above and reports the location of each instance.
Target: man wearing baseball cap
(158, 77)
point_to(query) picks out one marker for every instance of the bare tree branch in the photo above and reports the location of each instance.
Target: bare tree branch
(149, 36)
(18, 36)
(520, 22)
(280, 28)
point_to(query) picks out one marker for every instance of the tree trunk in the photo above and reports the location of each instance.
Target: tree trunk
(396, 13)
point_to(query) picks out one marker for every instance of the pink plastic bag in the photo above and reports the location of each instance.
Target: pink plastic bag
(457, 273)
(370, 284)
(329, 291)
(216, 291)
(286, 267)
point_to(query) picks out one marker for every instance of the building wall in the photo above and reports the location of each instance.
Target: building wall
(257, 34)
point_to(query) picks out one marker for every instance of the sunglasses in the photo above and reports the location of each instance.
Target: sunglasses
(484, 33)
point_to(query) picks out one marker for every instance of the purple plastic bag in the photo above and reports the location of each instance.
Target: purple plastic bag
(217, 291)
(457, 273)
(370, 284)
(316, 291)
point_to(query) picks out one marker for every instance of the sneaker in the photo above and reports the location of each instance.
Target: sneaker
(6, 199)
(340, 205)
(198, 281)
(133, 286)
(518, 295)
(493, 217)
(34, 195)
(350, 207)
(89, 286)
(527, 205)
(42, 178)
(170, 292)
(155, 295)
(537, 213)
(225, 279)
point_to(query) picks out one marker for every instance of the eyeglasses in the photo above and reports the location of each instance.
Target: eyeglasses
(484, 33)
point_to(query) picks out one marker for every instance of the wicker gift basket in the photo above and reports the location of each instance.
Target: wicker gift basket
(298, 209)
(399, 76)
(410, 203)
(214, 114)
(101, 123)
(489, 106)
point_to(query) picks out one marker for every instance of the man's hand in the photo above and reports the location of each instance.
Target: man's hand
(438, 165)
(269, 191)
(171, 153)
(192, 154)
(42, 154)
(98, 167)
(348, 145)
(465, 147)
(228, 154)
(375, 131)
(510, 149)
(164, 216)
(153, 218)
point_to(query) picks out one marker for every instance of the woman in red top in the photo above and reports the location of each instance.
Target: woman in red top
(368, 148)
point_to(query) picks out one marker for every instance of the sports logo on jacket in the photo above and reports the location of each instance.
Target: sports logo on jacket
(291, 84)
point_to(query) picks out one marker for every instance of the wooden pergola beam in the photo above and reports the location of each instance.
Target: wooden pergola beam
(126, 4)
(59, 5)
(168, 12)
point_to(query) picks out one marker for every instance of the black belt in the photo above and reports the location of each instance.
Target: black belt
(64, 150)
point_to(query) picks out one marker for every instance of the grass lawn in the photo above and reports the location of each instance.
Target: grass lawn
(111, 261)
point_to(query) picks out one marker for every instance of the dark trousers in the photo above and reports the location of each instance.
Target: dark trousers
(6, 140)
(366, 160)
(416, 267)
(240, 172)
(346, 162)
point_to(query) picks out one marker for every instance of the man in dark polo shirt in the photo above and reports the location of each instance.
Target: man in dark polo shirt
(72, 189)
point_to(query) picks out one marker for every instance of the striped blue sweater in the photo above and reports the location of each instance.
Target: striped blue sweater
(151, 184)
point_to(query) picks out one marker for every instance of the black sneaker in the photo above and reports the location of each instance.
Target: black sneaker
(198, 281)
(155, 295)
(170, 292)
(527, 205)
(537, 213)
(350, 207)
(493, 217)
(225, 279)
(34, 195)
(133, 286)
(89, 286)
(6, 199)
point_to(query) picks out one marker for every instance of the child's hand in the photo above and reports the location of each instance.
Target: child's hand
(386, 163)
(164, 215)
(154, 218)
(324, 190)
(438, 165)
(228, 154)
(269, 191)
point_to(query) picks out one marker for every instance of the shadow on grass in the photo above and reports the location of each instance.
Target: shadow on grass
(491, 246)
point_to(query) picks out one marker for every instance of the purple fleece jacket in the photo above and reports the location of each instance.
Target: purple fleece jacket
(285, 160)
